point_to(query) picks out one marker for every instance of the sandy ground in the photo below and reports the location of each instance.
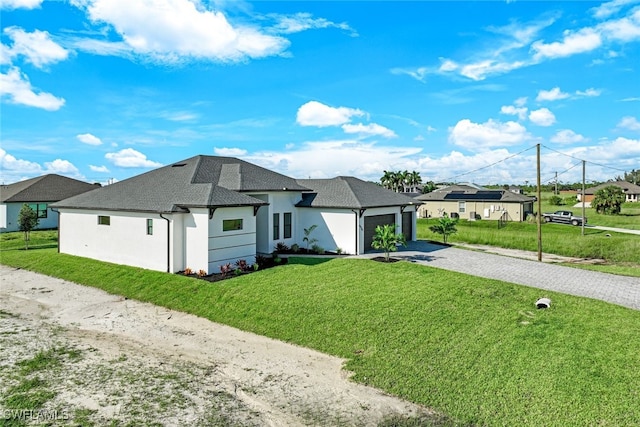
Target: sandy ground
(122, 361)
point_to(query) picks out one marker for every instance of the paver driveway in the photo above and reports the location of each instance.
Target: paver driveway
(621, 290)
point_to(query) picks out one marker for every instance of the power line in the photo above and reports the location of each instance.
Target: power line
(488, 166)
(588, 161)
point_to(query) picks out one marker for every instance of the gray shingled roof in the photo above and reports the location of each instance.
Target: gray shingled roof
(349, 192)
(627, 187)
(46, 188)
(200, 181)
(475, 195)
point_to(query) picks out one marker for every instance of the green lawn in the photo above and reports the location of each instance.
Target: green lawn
(620, 251)
(474, 349)
(629, 216)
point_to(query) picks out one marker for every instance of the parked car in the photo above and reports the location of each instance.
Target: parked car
(566, 217)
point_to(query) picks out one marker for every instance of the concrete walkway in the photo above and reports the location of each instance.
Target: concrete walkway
(621, 290)
(617, 230)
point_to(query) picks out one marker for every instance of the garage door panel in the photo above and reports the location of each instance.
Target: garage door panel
(407, 225)
(370, 224)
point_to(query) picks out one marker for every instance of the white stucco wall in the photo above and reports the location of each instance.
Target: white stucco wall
(230, 246)
(9, 218)
(280, 202)
(336, 228)
(196, 239)
(124, 241)
(3, 216)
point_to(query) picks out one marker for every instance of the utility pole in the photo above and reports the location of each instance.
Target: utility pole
(556, 193)
(539, 197)
(584, 162)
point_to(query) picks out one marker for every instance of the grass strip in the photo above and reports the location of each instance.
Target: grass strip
(474, 349)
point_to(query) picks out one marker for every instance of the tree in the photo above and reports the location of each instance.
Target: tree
(608, 200)
(386, 239)
(387, 180)
(307, 236)
(445, 226)
(27, 221)
(414, 179)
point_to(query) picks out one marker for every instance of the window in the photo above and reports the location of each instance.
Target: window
(276, 226)
(461, 207)
(287, 225)
(104, 220)
(40, 209)
(150, 227)
(231, 224)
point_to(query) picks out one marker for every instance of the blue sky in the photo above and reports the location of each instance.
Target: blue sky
(102, 90)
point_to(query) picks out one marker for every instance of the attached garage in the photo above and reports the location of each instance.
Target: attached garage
(407, 225)
(370, 224)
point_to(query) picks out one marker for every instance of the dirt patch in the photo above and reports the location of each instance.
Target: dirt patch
(96, 358)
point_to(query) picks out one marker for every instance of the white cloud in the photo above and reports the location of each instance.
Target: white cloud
(551, 95)
(630, 123)
(87, 138)
(447, 65)
(302, 21)
(482, 69)
(62, 167)
(12, 166)
(591, 92)
(542, 117)
(172, 31)
(625, 29)
(19, 4)
(37, 47)
(583, 40)
(370, 129)
(520, 102)
(567, 136)
(481, 136)
(314, 113)
(512, 110)
(328, 159)
(101, 169)
(419, 74)
(609, 8)
(16, 87)
(130, 158)
(229, 152)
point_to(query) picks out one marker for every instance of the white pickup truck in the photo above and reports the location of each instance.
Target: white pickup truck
(566, 217)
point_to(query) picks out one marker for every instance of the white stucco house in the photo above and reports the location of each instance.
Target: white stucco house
(206, 211)
(38, 193)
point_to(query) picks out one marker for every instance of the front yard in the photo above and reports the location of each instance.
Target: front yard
(475, 350)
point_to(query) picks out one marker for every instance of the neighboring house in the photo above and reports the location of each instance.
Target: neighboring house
(631, 191)
(347, 211)
(200, 213)
(471, 203)
(516, 190)
(38, 193)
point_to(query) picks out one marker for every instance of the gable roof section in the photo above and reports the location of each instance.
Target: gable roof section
(46, 188)
(476, 196)
(200, 181)
(350, 193)
(239, 175)
(627, 187)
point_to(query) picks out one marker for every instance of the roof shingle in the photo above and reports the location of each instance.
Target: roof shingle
(349, 192)
(45, 188)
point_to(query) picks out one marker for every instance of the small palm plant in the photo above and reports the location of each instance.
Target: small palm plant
(307, 236)
(386, 239)
(445, 226)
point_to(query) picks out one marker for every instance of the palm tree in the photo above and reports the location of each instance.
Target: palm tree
(387, 180)
(403, 180)
(414, 180)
